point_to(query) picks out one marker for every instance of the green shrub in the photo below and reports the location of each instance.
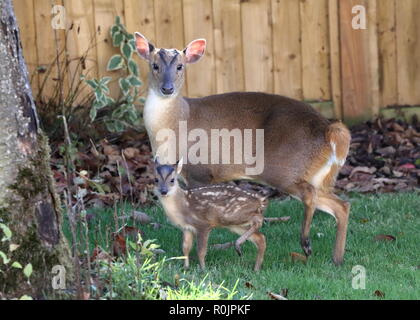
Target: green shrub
(120, 114)
(138, 276)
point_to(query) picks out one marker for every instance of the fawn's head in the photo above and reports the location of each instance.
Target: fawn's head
(167, 66)
(166, 177)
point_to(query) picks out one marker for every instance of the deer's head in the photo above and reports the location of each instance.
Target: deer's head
(167, 66)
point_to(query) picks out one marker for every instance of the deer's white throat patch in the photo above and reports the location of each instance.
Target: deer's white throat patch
(156, 111)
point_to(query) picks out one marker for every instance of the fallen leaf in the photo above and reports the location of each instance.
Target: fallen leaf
(298, 257)
(249, 285)
(131, 153)
(284, 292)
(141, 217)
(99, 254)
(379, 294)
(119, 246)
(362, 170)
(384, 237)
(275, 296)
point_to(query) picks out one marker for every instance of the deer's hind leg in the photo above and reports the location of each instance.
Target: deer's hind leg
(254, 236)
(202, 241)
(340, 210)
(256, 224)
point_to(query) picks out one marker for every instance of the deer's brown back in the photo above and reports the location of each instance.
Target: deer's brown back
(293, 134)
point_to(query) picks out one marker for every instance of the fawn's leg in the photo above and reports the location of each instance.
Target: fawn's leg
(340, 209)
(245, 236)
(255, 237)
(186, 246)
(202, 239)
(259, 240)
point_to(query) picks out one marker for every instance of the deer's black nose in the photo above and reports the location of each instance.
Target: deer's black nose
(167, 89)
(163, 192)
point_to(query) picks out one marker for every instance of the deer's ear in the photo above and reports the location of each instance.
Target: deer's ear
(144, 47)
(195, 50)
(179, 165)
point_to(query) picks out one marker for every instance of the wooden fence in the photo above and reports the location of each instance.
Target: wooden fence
(306, 49)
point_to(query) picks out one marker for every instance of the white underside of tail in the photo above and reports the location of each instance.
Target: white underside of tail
(319, 177)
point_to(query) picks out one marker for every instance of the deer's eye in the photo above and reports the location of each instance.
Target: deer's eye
(155, 67)
(156, 180)
(179, 67)
(172, 180)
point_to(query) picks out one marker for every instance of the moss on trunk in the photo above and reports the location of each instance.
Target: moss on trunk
(34, 216)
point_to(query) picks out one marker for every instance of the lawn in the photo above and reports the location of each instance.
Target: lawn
(392, 266)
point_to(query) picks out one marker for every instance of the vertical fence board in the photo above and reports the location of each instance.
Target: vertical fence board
(81, 43)
(287, 59)
(353, 65)
(315, 50)
(408, 30)
(170, 27)
(335, 73)
(359, 62)
(169, 24)
(198, 23)
(24, 10)
(372, 57)
(228, 45)
(105, 12)
(139, 16)
(257, 49)
(49, 42)
(387, 53)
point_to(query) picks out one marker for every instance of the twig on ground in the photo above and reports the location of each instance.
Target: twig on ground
(277, 219)
(223, 246)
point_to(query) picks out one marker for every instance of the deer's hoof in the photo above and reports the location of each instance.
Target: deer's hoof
(238, 249)
(306, 246)
(338, 261)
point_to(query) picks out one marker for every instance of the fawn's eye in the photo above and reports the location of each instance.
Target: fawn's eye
(156, 180)
(172, 180)
(155, 67)
(179, 67)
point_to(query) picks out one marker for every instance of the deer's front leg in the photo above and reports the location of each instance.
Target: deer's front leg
(186, 246)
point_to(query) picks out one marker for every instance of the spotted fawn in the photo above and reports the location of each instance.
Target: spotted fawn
(197, 211)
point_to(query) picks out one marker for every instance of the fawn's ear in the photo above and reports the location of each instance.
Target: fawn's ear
(195, 50)
(179, 165)
(144, 47)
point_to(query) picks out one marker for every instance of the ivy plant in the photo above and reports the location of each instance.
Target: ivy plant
(120, 114)
(6, 260)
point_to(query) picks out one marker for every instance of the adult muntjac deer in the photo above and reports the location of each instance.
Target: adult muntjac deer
(302, 154)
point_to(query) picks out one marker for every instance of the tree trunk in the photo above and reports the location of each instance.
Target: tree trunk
(29, 205)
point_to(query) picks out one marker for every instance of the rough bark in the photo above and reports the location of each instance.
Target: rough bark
(28, 202)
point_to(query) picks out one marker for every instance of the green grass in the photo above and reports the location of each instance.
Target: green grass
(391, 266)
